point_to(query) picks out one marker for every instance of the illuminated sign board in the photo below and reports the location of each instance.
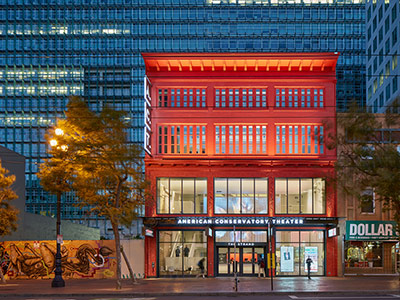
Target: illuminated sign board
(371, 230)
(333, 232)
(239, 221)
(147, 115)
(149, 232)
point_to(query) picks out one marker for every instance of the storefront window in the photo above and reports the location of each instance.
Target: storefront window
(182, 195)
(299, 196)
(294, 247)
(180, 251)
(241, 195)
(363, 254)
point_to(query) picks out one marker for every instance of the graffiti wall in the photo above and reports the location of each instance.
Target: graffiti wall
(36, 259)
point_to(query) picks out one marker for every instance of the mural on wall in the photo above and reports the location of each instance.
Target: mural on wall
(79, 259)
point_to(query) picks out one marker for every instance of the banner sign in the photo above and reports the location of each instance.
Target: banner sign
(371, 230)
(147, 115)
(287, 259)
(311, 252)
(239, 221)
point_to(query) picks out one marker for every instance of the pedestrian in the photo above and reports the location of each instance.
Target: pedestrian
(201, 265)
(309, 262)
(261, 266)
(177, 252)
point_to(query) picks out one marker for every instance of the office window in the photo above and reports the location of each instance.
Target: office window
(394, 61)
(241, 139)
(299, 97)
(181, 139)
(182, 97)
(394, 36)
(181, 195)
(367, 201)
(241, 195)
(387, 92)
(394, 85)
(300, 196)
(299, 139)
(394, 12)
(241, 97)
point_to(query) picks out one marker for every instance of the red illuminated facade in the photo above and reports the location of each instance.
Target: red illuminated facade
(234, 142)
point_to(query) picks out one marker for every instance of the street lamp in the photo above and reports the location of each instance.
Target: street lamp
(58, 281)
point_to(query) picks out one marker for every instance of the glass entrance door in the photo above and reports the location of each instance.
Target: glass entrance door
(246, 260)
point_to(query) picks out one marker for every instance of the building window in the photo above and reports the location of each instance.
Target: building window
(241, 139)
(180, 252)
(241, 195)
(181, 195)
(241, 97)
(298, 97)
(299, 139)
(300, 196)
(181, 139)
(182, 97)
(294, 247)
(363, 254)
(367, 202)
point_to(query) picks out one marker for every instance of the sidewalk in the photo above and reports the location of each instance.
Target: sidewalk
(199, 286)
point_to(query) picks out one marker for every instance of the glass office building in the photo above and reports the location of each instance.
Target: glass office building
(383, 48)
(50, 49)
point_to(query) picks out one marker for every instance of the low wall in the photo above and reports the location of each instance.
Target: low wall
(36, 259)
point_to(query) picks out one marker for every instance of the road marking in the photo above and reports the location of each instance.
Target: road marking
(347, 297)
(124, 299)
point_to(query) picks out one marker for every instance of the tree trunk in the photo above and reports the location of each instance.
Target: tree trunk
(133, 278)
(118, 253)
(3, 280)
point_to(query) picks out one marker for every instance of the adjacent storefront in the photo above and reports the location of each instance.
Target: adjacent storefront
(370, 247)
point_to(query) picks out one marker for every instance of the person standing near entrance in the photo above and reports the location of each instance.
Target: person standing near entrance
(261, 266)
(309, 262)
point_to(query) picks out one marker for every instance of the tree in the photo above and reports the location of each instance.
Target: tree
(8, 214)
(368, 158)
(104, 170)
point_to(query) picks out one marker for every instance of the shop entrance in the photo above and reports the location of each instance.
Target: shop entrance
(246, 260)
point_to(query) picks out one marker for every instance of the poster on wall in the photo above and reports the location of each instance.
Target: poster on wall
(287, 259)
(311, 252)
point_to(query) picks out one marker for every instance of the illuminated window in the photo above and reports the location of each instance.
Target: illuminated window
(182, 139)
(181, 195)
(299, 139)
(299, 196)
(181, 97)
(241, 139)
(241, 195)
(241, 97)
(299, 97)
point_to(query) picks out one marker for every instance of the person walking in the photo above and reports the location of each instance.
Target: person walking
(201, 265)
(261, 266)
(309, 262)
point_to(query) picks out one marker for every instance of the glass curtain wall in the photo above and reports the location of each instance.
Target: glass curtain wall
(241, 195)
(181, 195)
(294, 247)
(180, 252)
(300, 196)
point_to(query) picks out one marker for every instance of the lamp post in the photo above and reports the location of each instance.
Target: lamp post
(58, 281)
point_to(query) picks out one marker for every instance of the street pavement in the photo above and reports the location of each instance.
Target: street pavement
(173, 287)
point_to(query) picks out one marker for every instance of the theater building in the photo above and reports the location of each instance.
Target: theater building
(237, 156)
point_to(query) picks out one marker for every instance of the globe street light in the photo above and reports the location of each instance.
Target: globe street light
(58, 281)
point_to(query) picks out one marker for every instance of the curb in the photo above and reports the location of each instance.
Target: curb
(228, 294)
